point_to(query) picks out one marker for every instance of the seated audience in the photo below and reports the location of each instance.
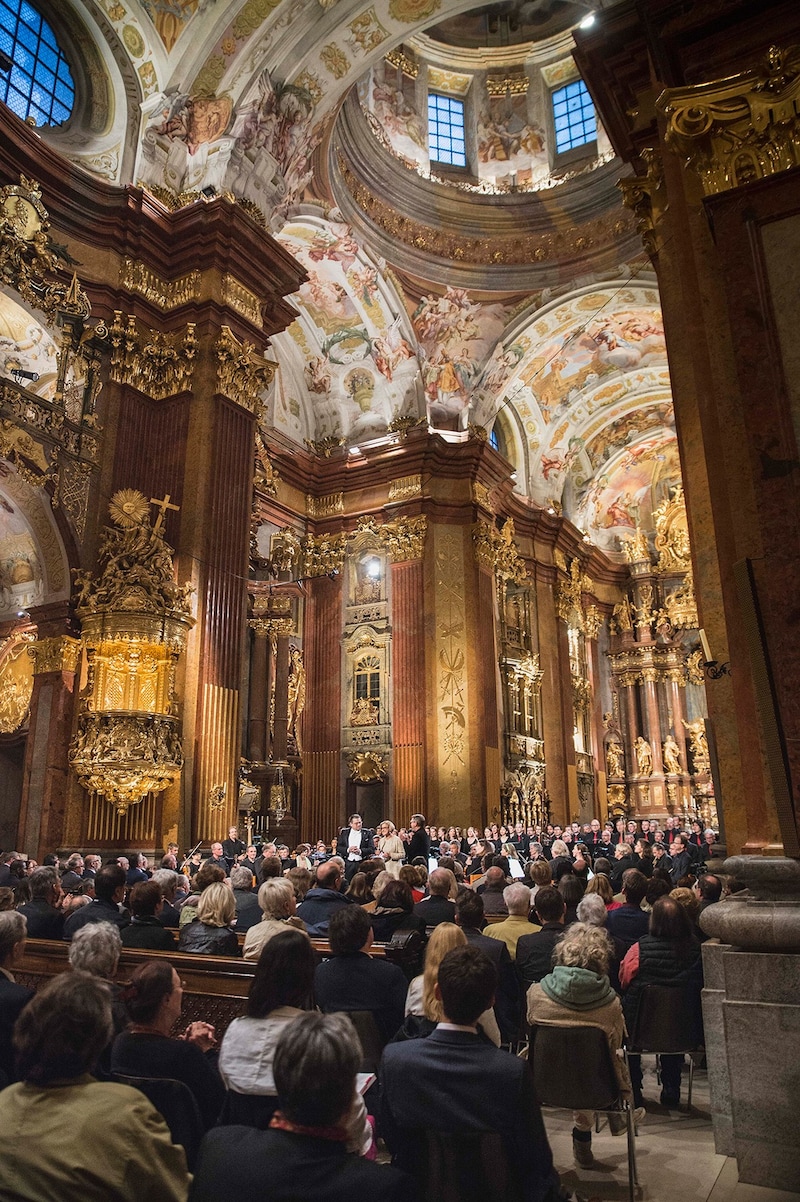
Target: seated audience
(304, 1152)
(168, 882)
(601, 885)
(65, 1136)
(248, 911)
(13, 997)
(578, 993)
(276, 900)
(628, 922)
(146, 1048)
(492, 893)
(437, 906)
(535, 952)
(145, 930)
(462, 1084)
(423, 1007)
(301, 880)
(322, 902)
(517, 900)
(109, 888)
(395, 912)
(571, 889)
(43, 913)
(591, 910)
(414, 879)
(210, 934)
(668, 955)
(210, 874)
(352, 980)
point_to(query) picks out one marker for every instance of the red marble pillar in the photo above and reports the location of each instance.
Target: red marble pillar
(322, 795)
(408, 690)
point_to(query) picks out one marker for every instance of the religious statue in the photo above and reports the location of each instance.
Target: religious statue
(614, 758)
(644, 756)
(644, 610)
(297, 693)
(671, 755)
(624, 614)
(699, 744)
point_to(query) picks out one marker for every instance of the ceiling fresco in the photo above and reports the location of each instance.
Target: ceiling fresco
(26, 346)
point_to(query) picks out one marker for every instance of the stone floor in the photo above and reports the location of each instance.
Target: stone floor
(675, 1156)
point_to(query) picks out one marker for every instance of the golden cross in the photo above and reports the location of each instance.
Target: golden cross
(162, 507)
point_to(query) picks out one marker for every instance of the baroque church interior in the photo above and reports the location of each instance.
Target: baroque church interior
(399, 414)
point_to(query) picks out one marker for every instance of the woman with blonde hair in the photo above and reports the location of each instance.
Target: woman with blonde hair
(210, 933)
(423, 1008)
(392, 848)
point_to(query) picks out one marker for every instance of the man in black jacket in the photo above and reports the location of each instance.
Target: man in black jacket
(315, 1067)
(627, 924)
(420, 842)
(109, 888)
(535, 952)
(470, 917)
(45, 920)
(355, 844)
(437, 907)
(353, 981)
(13, 997)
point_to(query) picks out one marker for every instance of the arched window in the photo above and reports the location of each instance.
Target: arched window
(35, 79)
(368, 678)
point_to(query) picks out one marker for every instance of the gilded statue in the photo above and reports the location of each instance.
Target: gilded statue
(297, 693)
(644, 756)
(671, 756)
(614, 758)
(364, 712)
(644, 610)
(699, 744)
(624, 614)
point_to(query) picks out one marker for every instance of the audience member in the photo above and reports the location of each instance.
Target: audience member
(628, 922)
(206, 876)
(168, 882)
(210, 933)
(277, 903)
(455, 1082)
(324, 899)
(469, 916)
(145, 930)
(352, 980)
(492, 892)
(517, 900)
(43, 913)
(423, 1007)
(395, 912)
(248, 911)
(437, 907)
(535, 952)
(577, 993)
(304, 1153)
(153, 1000)
(13, 997)
(66, 1136)
(109, 887)
(572, 890)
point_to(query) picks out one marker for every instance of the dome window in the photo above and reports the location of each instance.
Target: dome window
(446, 130)
(574, 117)
(35, 79)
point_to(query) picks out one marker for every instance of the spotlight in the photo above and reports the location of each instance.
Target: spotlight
(588, 21)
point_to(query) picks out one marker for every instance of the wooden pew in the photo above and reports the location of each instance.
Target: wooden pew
(215, 988)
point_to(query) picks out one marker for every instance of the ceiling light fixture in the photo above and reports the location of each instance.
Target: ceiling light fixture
(588, 21)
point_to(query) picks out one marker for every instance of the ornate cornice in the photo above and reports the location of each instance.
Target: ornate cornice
(733, 131)
(241, 299)
(242, 374)
(325, 507)
(159, 365)
(164, 294)
(401, 539)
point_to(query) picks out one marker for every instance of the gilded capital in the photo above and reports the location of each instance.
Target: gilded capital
(55, 654)
(242, 373)
(646, 197)
(496, 551)
(736, 130)
(159, 365)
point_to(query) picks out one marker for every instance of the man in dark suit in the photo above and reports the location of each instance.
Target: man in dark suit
(137, 871)
(45, 920)
(315, 1066)
(12, 996)
(355, 844)
(217, 857)
(420, 842)
(233, 847)
(456, 1084)
(470, 917)
(248, 911)
(353, 980)
(145, 930)
(437, 908)
(535, 952)
(109, 888)
(629, 922)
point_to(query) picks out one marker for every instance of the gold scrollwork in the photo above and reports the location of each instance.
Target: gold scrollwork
(164, 294)
(242, 374)
(736, 130)
(159, 365)
(569, 596)
(325, 507)
(367, 766)
(405, 488)
(496, 551)
(645, 196)
(241, 299)
(16, 681)
(672, 533)
(323, 555)
(324, 446)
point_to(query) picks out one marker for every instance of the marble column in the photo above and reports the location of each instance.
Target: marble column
(258, 727)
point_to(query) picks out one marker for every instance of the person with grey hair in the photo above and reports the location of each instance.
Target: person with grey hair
(517, 900)
(277, 902)
(167, 881)
(439, 906)
(592, 910)
(316, 1062)
(65, 1135)
(577, 993)
(13, 997)
(95, 949)
(43, 912)
(248, 911)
